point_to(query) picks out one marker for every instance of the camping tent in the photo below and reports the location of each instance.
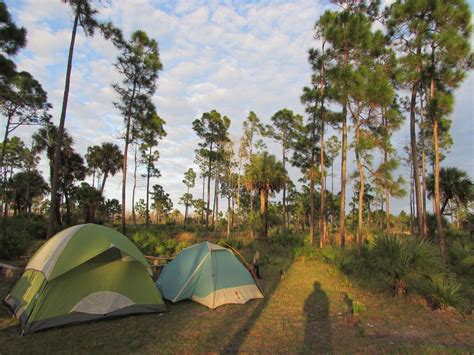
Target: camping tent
(208, 274)
(83, 273)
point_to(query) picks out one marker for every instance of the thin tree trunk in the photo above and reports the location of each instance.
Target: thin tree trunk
(423, 168)
(251, 210)
(203, 192)
(285, 216)
(436, 168)
(311, 204)
(439, 222)
(216, 198)
(360, 233)
(62, 120)
(186, 210)
(342, 211)
(209, 188)
(4, 171)
(228, 216)
(415, 162)
(322, 217)
(342, 217)
(124, 164)
(412, 209)
(134, 216)
(147, 222)
(238, 197)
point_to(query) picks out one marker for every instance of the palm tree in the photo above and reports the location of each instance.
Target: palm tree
(46, 140)
(455, 186)
(111, 159)
(93, 161)
(267, 175)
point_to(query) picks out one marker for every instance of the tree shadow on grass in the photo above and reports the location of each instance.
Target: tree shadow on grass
(239, 337)
(318, 334)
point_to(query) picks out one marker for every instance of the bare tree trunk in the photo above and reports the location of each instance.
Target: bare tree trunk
(423, 168)
(62, 121)
(322, 217)
(216, 197)
(228, 216)
(203, 192)
(412, 209)
(360, 233)
(439, 222)
(134, 216)
(238, 197)
(209, 188)
(311, 204)
(284, 185)
(147, 215)
(342, 211)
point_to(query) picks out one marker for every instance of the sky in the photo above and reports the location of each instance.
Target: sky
(232, 56)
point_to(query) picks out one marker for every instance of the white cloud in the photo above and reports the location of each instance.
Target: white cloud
(230, 56)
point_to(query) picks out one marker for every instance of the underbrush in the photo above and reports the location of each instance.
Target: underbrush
(158, 244)
(401, 266)
(17, 234)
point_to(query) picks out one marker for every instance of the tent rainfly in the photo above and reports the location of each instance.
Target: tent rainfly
(83, 273)
(208, 274)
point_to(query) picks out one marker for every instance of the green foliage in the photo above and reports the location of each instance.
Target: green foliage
(15, 238)
(445, 291)
(403, 265)
(306, 252)
(157, 244)
(286, 238)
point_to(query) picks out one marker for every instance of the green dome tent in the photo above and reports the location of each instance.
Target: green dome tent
(83, 273)
(208, 274)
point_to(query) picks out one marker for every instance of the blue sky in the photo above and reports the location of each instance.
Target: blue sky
(233, 56)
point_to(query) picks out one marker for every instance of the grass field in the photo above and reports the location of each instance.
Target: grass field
(304, 311)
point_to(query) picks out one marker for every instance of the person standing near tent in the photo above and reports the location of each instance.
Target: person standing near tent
(256, 264)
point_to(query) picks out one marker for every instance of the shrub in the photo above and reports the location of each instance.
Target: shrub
(307, 252)
(157, 244)
(285, 238)
(445, 291)
(14, 239)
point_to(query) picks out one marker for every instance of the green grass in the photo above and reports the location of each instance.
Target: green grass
(303, 311)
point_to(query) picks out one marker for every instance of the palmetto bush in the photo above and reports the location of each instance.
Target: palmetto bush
(401, 265)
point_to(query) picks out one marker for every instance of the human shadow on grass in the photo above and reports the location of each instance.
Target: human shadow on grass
(318, 334)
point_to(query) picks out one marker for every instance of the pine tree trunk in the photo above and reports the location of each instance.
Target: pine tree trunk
(238, 197)
(285, 217)
(209, 188)
(203, 192)
(216, 197)
(134, 216)
(322, 217)
(147, 216)
(360, 233)
(423, 168)
(439, 222)
(415, 162)
(342, 211)
(186, 210)
(62, 121)
(311, 204)
(228, 216)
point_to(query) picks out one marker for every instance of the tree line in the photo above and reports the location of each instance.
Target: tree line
(371, 69)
